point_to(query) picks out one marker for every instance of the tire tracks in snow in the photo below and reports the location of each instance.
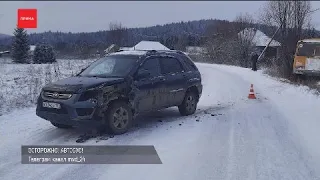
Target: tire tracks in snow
(230, 161)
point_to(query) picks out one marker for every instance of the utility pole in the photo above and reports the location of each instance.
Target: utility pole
(265, 48)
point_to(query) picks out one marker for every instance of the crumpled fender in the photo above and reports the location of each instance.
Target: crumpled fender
(109, 94)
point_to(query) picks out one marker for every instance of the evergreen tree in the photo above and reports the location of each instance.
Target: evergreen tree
(50, 55)
(44, 53)
(20, 46)
(37, 55)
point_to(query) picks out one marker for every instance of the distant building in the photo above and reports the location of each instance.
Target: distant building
(150, 45)
(145, 45)
(261, 40)
(142, 45)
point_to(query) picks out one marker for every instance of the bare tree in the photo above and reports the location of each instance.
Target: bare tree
(244, 24)
(221, 38)
(181, 43)
(292, 17)
(117, 34)
(231, 42)
(310, 31)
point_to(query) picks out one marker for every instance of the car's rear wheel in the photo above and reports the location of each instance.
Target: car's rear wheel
(189, 104)
(118, 117)
(62, 126)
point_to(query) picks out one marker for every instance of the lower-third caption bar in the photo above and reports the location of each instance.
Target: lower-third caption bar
(89, 155)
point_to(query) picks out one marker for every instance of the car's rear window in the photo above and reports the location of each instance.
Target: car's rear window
(188, 61)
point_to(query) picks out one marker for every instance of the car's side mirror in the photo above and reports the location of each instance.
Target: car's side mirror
(142, 73)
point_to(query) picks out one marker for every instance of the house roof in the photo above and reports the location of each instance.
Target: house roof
(258, 37)
(150, 45)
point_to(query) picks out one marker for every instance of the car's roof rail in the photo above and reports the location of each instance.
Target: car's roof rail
(179, 52)
(174, 51)
(151, 52)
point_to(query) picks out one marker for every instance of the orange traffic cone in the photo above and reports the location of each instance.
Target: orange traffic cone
(251, 93)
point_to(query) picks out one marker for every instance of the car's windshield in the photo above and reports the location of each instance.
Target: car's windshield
(308, 49)
(110, 66)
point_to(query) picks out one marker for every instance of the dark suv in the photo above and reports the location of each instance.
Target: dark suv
(113, 90)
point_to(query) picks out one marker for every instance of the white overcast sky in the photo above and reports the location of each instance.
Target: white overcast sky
(89, 16)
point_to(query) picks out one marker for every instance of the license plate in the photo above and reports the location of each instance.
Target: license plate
(51, 105)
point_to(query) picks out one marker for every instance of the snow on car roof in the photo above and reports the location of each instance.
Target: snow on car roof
(129, 53)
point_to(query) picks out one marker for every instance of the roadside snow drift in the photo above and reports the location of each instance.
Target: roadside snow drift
(21, 83)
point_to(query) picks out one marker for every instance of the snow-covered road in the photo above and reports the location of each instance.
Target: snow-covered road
(231, 137)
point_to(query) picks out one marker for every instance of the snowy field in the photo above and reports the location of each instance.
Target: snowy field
(230, 137)
(21, 84)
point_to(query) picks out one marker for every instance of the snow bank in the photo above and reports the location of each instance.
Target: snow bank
(21, 83)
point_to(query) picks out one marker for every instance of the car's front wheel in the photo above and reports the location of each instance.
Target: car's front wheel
(119, 117)
(62, 126)
(189, 104)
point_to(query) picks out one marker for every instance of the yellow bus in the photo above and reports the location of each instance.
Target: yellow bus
(307, 57)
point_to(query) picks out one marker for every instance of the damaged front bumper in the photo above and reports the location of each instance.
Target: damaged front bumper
(71, 112)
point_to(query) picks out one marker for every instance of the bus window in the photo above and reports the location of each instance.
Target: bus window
(305, 50)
